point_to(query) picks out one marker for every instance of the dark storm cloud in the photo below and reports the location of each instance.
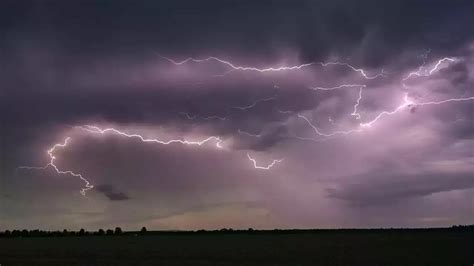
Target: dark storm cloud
(88, 62)
(458, 74)
(54, 55)
(191, 27)
(112, 193)
(380, 190)
(270, 138)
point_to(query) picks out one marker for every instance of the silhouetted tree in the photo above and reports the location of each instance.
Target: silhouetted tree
(15, 233)
(109, 232)
(143, 230)
(82, 232)
(101, 232)
(35, 233)
(118, 231)
(24, 233)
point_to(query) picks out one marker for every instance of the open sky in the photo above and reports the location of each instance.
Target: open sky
(212, 114)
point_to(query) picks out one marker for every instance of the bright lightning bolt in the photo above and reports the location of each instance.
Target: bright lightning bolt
(405, 103)
(408, 102)
(356, 112)
(95, 129)
(423, 56)
(422, 72)
(445, 101)
(234, 67)
(272, 69)
(436, 67)
(263, 167)
(52, 164)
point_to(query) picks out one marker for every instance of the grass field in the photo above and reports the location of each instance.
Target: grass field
(365, 248)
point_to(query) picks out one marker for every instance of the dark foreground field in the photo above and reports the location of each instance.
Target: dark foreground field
(347, 248)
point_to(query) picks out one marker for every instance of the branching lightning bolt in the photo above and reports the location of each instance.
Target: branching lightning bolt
(422, 72)
(52, 164)
(234, 67)
(272, 69)
(110, 130)
(409, 103)
(406, 103)
(95, 129)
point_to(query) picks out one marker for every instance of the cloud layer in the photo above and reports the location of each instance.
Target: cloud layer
(368, 124)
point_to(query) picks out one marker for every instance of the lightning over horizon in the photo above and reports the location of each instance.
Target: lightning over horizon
(97, 130)
(265, 114)
(406, 103)
(52, 157)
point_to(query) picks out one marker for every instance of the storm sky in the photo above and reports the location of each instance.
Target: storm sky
(212, 114)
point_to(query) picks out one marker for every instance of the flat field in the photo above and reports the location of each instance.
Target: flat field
(348, 248)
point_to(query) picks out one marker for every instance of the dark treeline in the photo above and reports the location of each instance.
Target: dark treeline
(43, 233)
(118, 231)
